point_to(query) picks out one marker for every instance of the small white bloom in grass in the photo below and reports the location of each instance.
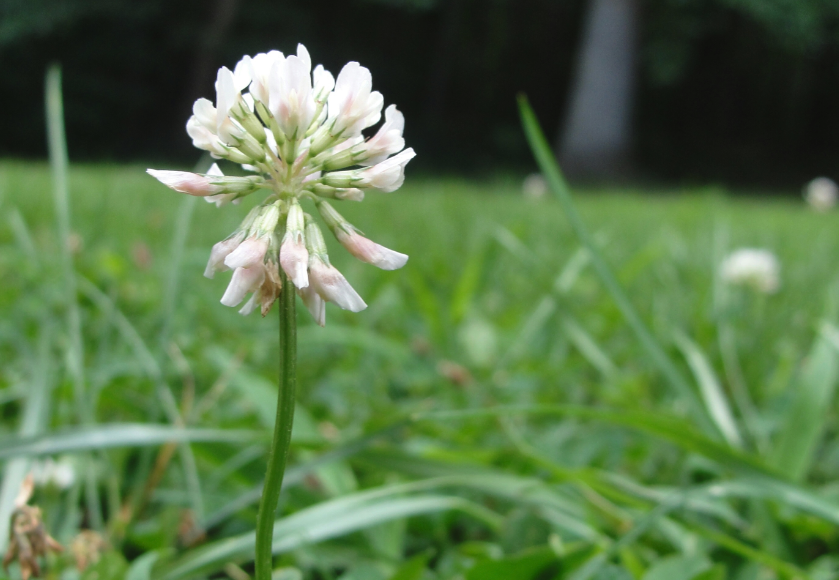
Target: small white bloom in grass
(822, 194)
(755, 268)
(299, 131)
(48, 472)
(534, 186)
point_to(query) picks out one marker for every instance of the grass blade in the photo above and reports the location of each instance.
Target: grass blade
(808, 414)
(712, 393)
(547, 164)
(117, 435)
(322, 522)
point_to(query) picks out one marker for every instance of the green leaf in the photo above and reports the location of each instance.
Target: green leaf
(527, 565)
(678, 568)
(808, 414)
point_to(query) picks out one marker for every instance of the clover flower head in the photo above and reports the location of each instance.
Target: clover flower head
(755, 268)
(822, 193)
(299, 132)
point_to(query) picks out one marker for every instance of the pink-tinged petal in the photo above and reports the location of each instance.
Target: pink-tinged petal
(249, 253)
(333, 287)
(314, 303)
(244, 281)
(185, 182)
(294, 258)
(352, 106)
(388, 175)
(371, 252)
(219, 253)
(388, 140)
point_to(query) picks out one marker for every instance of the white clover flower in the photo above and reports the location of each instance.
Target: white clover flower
(300, 131)
(756, 268)
(822, 194)
(48, 472)
(534, 186)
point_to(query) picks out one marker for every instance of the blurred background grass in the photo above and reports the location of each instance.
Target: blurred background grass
(498, 306)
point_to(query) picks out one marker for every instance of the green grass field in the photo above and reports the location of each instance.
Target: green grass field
(490, 416)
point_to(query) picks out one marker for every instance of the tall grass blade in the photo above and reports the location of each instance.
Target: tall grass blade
(807, 417)
(61, 197)
(547, 164)
(57, 144)
(712, 393)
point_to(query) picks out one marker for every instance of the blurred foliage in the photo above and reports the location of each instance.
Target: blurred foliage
(741, 89)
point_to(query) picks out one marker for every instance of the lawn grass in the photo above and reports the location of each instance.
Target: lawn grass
(602, 474)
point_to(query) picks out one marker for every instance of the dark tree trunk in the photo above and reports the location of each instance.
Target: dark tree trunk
(596, 137)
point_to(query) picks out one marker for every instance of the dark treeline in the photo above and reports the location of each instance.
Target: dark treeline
(725, 89)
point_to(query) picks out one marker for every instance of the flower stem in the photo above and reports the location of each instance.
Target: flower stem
(278, 454)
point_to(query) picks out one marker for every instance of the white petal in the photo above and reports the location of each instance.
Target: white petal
(371, 252)
(333, 287)
(242, 73)
(244, 280)
(314, 303)
(248, 254)
(294, 258)
(219, 253)
(304, 57)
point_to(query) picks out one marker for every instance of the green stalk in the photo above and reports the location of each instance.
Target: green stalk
(278, 455)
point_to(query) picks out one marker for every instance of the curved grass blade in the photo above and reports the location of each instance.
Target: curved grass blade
(322, 522)
(547, 164)
(712, 393)
(670, 428)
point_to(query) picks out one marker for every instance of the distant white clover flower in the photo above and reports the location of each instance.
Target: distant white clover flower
(48, 472)
(756, 268)
(300, 132)
(534, 186)
(821, 193)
